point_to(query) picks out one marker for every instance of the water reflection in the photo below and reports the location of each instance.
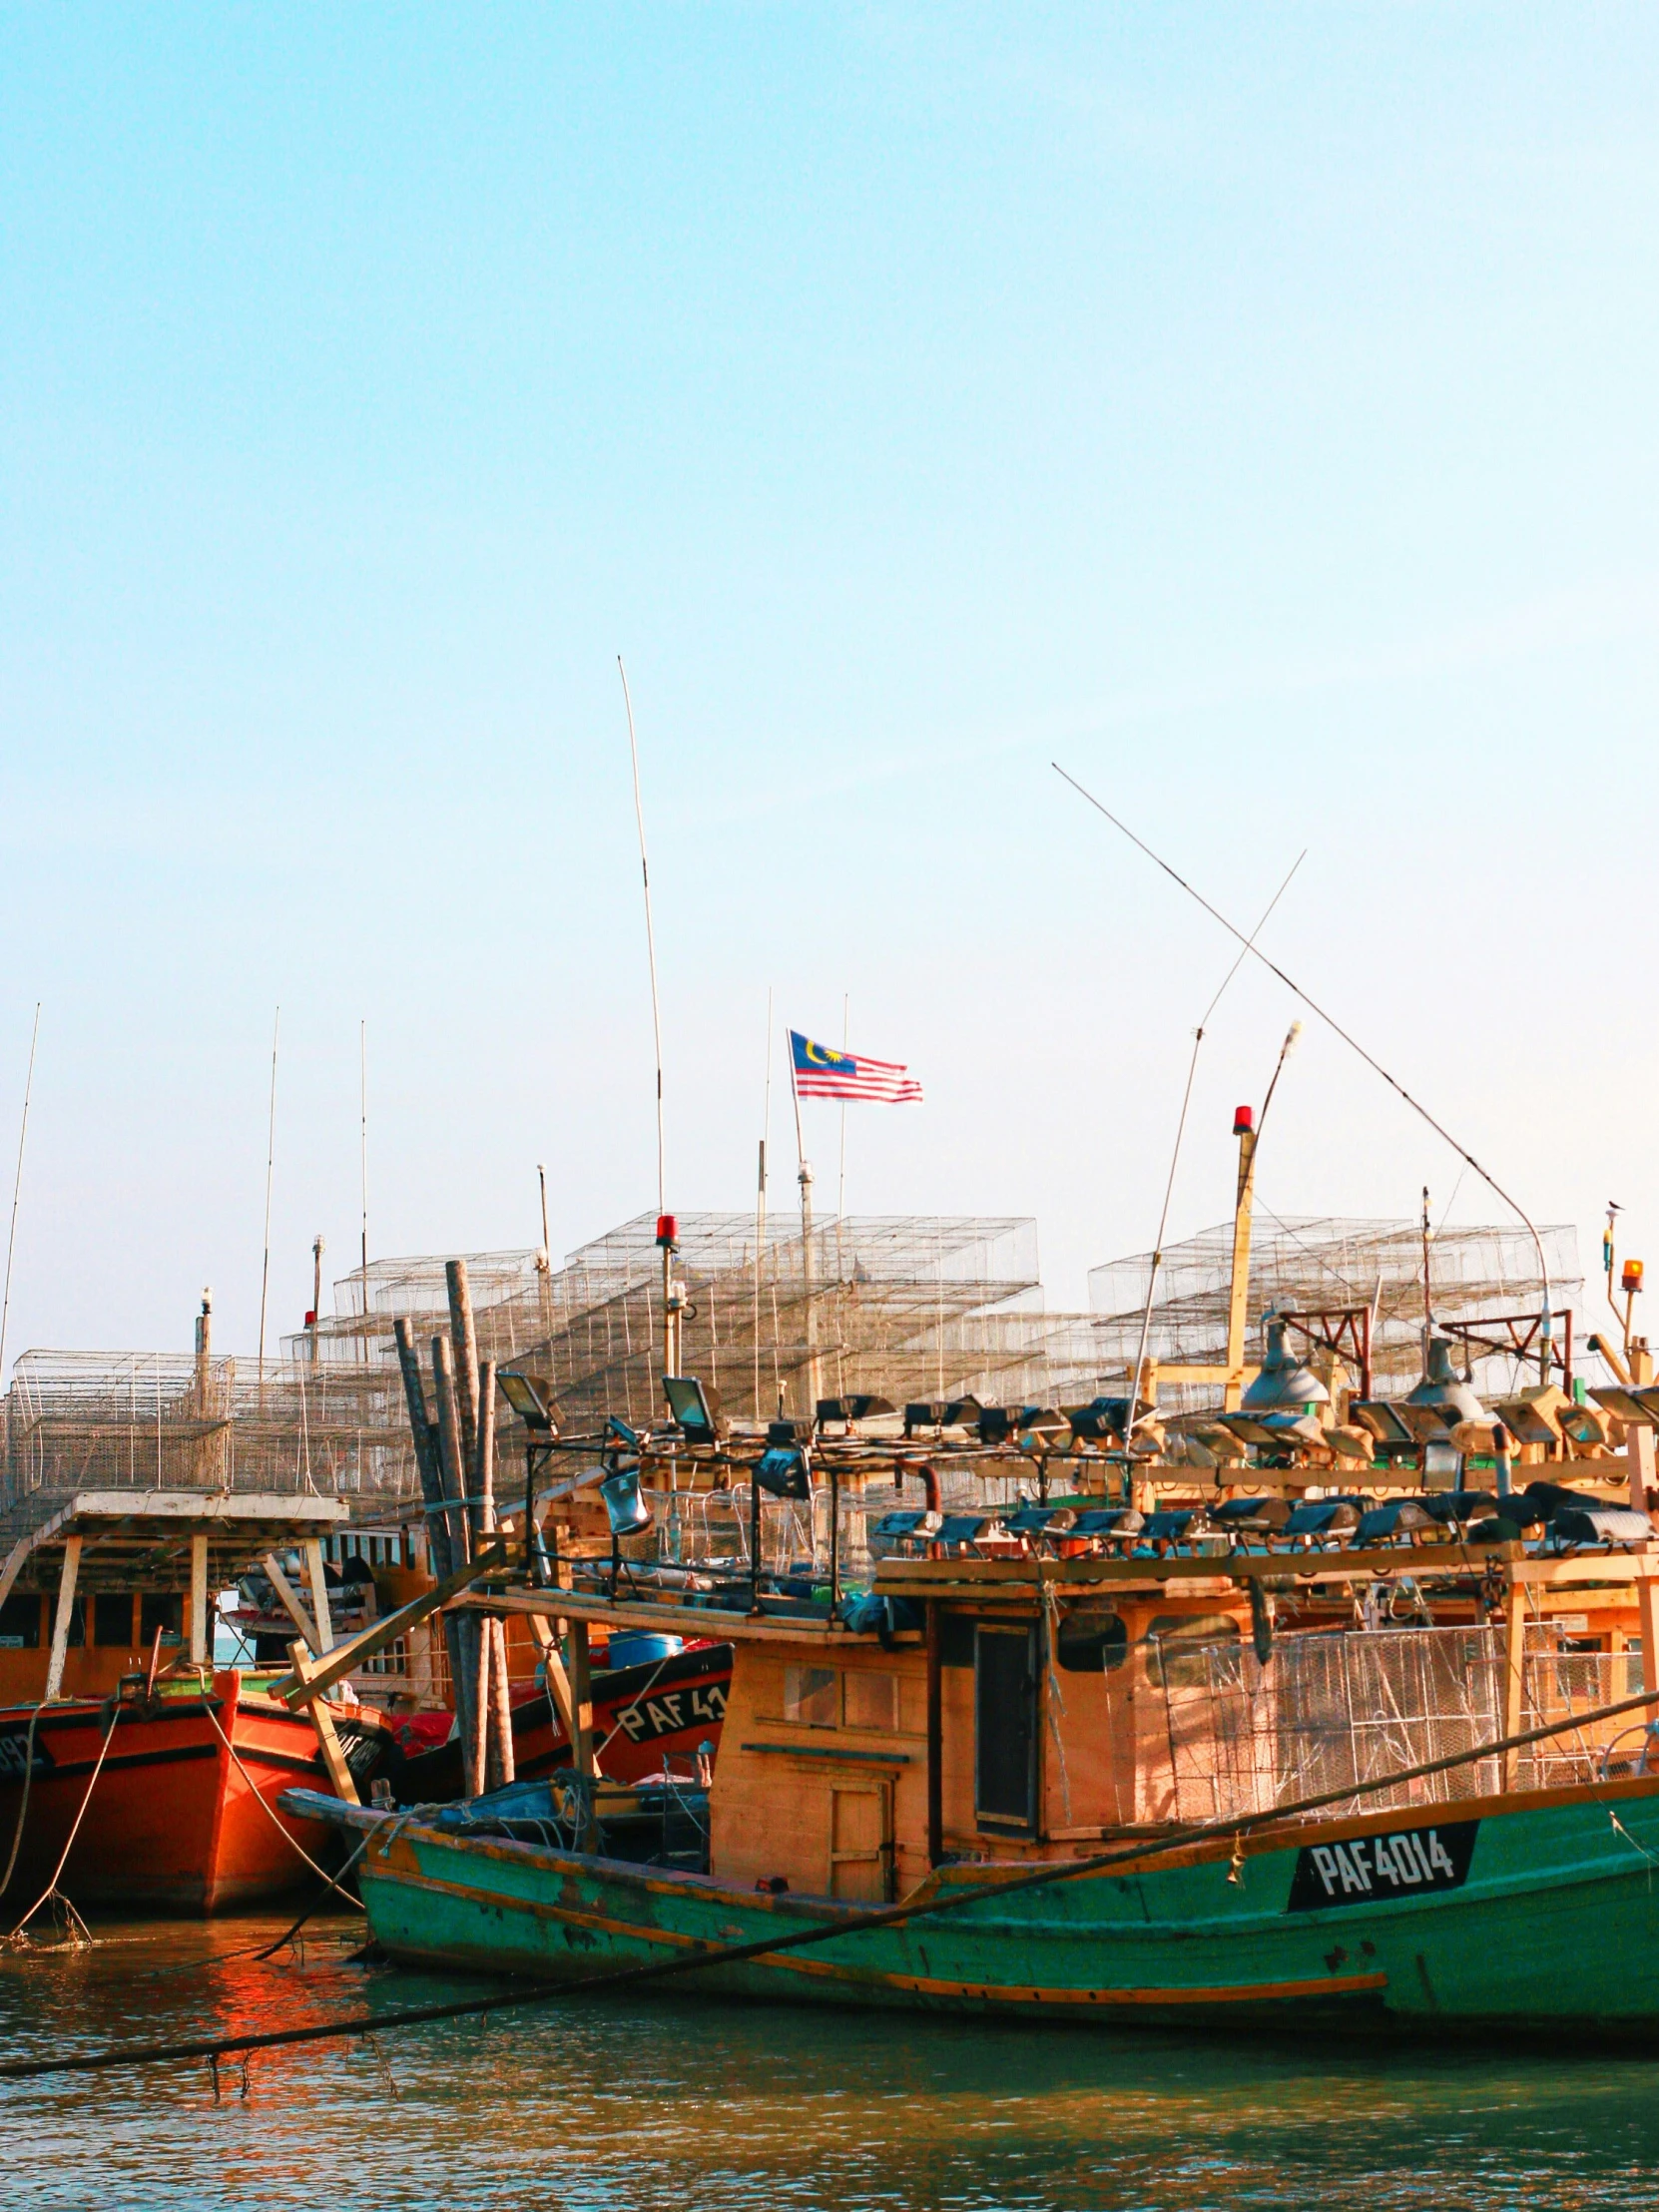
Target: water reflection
(675, 2106)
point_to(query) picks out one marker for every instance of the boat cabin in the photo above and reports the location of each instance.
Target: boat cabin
(105, 1583)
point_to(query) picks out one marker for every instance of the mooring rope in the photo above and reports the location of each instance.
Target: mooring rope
(23, 1802)
(269, 1809)
(51, 1888)
(765, 1947)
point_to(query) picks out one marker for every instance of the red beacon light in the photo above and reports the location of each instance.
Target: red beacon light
(1244, 1120)
(668, 1231)
(1631, 1280)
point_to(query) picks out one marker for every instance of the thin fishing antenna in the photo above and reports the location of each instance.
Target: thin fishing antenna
(1131, 1418)
(269, 1164)
(1545, 1349)
(363, 1152)
(650, 938)
(841, 1180)
(1285, 1051)
(17, 1192)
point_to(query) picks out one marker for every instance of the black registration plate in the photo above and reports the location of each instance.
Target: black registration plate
(669, 1712)
(1411, 1862)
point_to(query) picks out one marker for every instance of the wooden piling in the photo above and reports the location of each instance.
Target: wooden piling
(501, 1765)
(461, 1631)
(465, 1339)
(427, 1463)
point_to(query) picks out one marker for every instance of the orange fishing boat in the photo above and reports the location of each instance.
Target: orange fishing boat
(169, 1799)
(131, 1772)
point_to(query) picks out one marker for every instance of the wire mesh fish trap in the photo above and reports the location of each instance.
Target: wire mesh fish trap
(1332, 1712)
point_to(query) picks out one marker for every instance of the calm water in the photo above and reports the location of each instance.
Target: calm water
(632, 2107)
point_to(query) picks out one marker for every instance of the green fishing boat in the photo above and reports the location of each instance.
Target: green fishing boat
(1528, 1912)
(1092, 1789)
(1129, 1721)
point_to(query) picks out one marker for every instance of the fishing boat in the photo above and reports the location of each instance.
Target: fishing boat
(1090, 1762)
(667, 1704)
(1315, 1707)
(132, 1771)
(1074, 1784)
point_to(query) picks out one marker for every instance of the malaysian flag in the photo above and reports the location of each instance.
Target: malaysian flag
(820, 1072)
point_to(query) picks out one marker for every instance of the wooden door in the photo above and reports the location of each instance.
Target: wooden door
(1005, 1726)
(860, 1841)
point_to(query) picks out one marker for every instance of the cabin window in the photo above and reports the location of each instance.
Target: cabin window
(1005, 1726)
(161, 1609)
(1177, 1646)
(20, 1622)
(870, 1700)
(112, 1619)
(810, 1696)
(1092, 1640)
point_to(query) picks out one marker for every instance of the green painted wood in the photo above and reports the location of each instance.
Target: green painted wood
(1556, 1930)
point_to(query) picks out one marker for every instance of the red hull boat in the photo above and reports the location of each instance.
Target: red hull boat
(643, 1715)
(182, 1816)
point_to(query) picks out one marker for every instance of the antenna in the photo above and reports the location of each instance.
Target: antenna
(269, 1164)
(362, 1151)
(1354, 1044)
(17, 1192)
(1130, 1417)
(650, 938)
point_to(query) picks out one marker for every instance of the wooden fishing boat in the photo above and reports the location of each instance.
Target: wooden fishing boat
(1302, 1710)
(1116, 1706)
(1527, 1912)
(643, 1715)
(116, 1730)
(175, 1797)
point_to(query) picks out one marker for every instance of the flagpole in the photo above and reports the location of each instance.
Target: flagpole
(841, 1216)
(805, 1179)
(761, 1203)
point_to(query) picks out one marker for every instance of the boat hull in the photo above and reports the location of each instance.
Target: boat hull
(172, 1823)
(643, 1716)
(1536, 1915)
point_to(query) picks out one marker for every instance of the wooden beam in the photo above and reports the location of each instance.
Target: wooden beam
(558, 1682)
(298, 1689)
(62, 1618)
(581, 1700)
(201, 1645)
(292, 1602)
(935, 1736)
(1515, 1671)
(1238, 1296)
(678, 1620)
(318, 1583)
(1638, 1462)
(1647, 1602)
(328, 1743)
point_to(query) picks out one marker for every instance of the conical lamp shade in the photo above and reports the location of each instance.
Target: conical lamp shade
(1443, 1391)
(1284, 1383)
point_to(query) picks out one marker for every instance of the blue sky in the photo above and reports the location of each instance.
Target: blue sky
(1253, 409)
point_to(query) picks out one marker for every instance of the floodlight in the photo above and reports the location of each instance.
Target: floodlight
(694, 1409)
(783, 1471)
(530, 1398)
(627, 1512)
